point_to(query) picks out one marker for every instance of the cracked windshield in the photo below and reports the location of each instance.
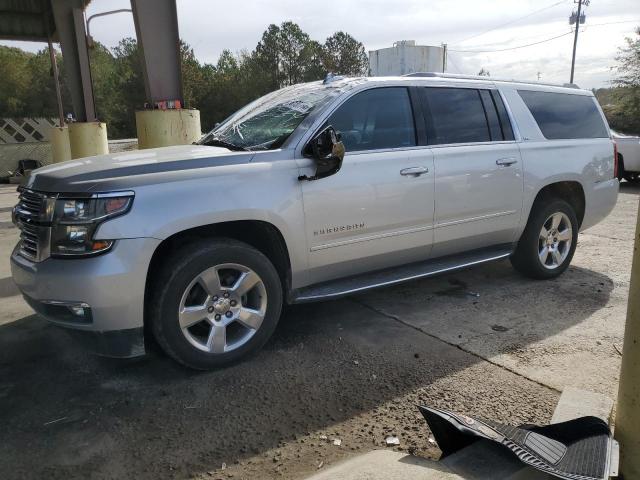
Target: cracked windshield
(266, 123)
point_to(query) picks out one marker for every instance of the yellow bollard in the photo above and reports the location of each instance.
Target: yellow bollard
(628, 411)
(161, 128)
(88, 139)
(60, 146)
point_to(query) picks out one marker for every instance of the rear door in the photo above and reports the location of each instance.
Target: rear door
(478, 170)
(377, 211)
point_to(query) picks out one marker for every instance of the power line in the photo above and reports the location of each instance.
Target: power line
(450, 59)
(584, 28)
(610, 23)
(512, 21)
(513, 48)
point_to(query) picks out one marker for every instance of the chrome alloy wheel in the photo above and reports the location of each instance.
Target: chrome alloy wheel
(554, 243)
(222, 308)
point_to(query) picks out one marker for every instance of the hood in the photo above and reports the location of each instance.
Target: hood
(133, 168)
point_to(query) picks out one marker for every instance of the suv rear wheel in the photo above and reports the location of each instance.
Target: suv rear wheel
(549, 241)
(214, 302)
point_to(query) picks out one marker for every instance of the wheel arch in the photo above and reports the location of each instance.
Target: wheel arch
(263, 236)
(570, 191)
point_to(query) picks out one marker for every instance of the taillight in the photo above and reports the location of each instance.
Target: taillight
(615, 159)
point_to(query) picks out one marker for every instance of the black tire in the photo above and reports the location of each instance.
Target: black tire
(621, 172)
(174, 278)
(632, 177)
(526, 257)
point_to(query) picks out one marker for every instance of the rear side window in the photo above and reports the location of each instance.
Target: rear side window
(457, 116)
(565, 116)
(376, 119)
(492, 115)
(505, 123)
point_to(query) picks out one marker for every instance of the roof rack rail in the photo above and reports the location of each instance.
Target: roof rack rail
(480, 77)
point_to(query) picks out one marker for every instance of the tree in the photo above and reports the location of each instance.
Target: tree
(295, 49)
(344, 55)
(40, 99)
(14, 81)
(107, 92)
(484, 73)
(629, 63)
(268, 55)
(624, 113)
(312, 59)
(193, 75)
(130, 83)
(284, 55)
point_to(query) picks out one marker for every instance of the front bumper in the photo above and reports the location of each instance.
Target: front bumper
(110, 287)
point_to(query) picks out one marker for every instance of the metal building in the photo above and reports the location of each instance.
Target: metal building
(406, 57)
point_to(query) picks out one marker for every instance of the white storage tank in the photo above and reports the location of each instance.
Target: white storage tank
(405, 57)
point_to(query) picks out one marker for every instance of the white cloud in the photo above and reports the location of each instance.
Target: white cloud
(210, 26)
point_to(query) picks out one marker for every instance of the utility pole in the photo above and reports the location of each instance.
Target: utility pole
(578, 20)
(628, 411)
(56, 81)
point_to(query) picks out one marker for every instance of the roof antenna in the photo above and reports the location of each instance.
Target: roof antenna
(332, 77)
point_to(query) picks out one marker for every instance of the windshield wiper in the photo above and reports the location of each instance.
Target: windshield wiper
(216, 142)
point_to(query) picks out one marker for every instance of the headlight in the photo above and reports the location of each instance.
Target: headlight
(75, 221)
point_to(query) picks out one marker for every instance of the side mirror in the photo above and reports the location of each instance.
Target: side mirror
(328, 151)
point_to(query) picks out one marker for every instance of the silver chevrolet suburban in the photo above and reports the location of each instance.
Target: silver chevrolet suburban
(309, 193)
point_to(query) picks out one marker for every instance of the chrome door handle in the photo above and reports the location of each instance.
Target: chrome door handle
(505, 162)
(414, 171)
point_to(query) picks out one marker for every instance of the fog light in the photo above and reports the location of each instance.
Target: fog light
(77, 311)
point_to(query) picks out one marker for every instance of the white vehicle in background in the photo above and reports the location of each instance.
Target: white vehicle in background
(628, 156)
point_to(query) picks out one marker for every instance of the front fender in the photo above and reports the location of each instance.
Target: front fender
(264, 191)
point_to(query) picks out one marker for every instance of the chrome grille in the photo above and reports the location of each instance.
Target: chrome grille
(29, 213)
(29, 241)
(31, 205)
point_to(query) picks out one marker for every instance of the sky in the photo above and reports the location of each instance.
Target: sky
(466, 26)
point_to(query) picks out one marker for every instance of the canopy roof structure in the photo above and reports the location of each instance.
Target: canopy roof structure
(29, 20)
(63, 21)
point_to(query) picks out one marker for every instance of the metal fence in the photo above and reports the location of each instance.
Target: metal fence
(28, 139)
(25, 130)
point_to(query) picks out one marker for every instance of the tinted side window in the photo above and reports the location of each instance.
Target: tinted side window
(457, 116)
(505, 122)
(561, 115)
(492, 116)
(376, 119)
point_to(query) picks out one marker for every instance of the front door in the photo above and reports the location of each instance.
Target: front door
(377, 211)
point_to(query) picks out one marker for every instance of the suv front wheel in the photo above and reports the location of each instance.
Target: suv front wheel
(548, 242)
(214, 302)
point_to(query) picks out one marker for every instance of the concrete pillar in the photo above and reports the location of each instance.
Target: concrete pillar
(70, 30)
(156, 23)
(161, 128)
(627, 430)
(60, 146)
(88, 139)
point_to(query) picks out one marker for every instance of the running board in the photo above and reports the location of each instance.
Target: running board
(391, 276)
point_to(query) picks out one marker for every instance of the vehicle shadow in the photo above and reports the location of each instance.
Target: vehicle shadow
(628, 187)
(8, 287)
(68, 414)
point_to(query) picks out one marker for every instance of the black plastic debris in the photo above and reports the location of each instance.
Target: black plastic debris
(580, 449)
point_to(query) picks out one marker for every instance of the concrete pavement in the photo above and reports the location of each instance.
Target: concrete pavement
(351, 369)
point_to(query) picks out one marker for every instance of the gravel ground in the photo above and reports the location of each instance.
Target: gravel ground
(351, 370)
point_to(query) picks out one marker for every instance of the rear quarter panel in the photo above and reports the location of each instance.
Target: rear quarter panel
(586, 161)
